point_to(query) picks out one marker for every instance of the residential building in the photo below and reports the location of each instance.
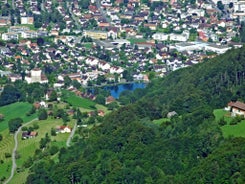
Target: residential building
(10, 36)
(219, 49)
(29, 34)
(18, 29)
(236, 108)
(160, 36)
(27, 20)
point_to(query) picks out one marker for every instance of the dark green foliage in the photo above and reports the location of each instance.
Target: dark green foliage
(53, 150)
(14, 124)
(53, 96)
(44, 141)
(7, 155)
(220, 5)
(9, 95)
(225, 165)
(222, 122)
(42, 114)
(100, 99)
(1, 137)
(53, 132)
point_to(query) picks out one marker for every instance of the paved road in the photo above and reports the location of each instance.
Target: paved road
(71, 135)
(103, 13)
(79, 26)
(15, 149)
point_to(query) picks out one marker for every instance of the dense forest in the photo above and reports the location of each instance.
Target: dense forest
(129, 148)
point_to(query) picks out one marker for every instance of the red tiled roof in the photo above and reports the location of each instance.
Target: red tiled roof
(237, 104)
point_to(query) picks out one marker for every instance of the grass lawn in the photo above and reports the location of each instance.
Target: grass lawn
(103, 108)
(88, 45)
(237, 130)
(160, 121)
(6, 146)
(18, 109)
(20, 177)
(136, 40)
(234, 130)
(77, 101)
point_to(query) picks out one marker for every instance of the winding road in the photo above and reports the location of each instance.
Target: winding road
(15, 149)
(71, 135)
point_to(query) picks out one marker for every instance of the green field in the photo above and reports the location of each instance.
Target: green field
(237, 130)
(27, 147)
(6, 146)
(161, 121)
(77, 101)
(234, 130)
(15, 110)
(136, 40)
(88, 45)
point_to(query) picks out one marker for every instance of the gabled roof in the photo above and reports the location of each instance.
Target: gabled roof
(237, 104)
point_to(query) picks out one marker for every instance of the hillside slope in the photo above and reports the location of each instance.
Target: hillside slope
(129, 148)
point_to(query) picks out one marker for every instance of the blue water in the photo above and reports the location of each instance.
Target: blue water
(115, 91)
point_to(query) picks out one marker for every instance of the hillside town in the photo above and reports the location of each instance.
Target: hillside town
(111, 41)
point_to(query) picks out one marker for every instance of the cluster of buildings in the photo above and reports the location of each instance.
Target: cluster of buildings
(132, 38)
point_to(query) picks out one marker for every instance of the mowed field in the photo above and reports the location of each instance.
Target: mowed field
(77, 101)
(15, 110)
(27, 147)
(237, 130)
(11, 111)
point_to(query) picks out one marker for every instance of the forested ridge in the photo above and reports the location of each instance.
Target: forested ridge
(129, 148)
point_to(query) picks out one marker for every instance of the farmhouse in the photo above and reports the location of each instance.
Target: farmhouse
(28, 135)
(63, 129)
(236, 108)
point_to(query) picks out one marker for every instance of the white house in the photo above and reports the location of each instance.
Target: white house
(236, 108)
(180, 37)
(63, 129)
(116, 69)
(29, 34)
(92, 61)
(160, 36)
(219, 49)
(10, 36)
(104, 65)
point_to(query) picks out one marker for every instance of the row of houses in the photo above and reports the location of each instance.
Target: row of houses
(15, 32)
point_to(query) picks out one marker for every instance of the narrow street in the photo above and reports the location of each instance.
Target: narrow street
(68, 142)
(103, 13)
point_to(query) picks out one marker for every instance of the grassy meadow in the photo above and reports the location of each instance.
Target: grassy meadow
(11, 111)
(77, 101)
(15, 110)
(228, 130)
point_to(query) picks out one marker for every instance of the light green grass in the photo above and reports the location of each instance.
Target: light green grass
(20, 177)
(88, 45)
(234, 130)
(161, 121)
(103, 108)
(77, 101)
(220, 113)
(15, 110)
(136, 40)
(237, 130)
